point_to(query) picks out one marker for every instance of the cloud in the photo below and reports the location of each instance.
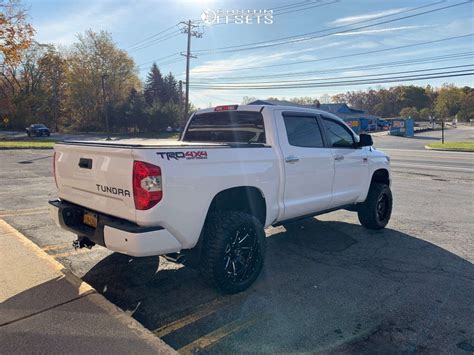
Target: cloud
(382, 30)
(63, 31)
(215, 67)
(364, 45)
(356, 18)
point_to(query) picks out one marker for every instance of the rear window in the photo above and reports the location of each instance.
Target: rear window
(226, 127)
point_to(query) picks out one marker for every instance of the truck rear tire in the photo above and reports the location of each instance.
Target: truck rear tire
(233, 251)
(375, 212)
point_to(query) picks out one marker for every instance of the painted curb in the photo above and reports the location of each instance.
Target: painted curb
(159, 345)
(449, 150)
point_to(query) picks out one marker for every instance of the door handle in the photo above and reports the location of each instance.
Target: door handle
(339, 157)
(85, 163)
(291, 159)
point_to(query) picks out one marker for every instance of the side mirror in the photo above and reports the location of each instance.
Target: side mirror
(365, 140)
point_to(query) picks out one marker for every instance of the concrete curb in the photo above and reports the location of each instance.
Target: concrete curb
(36, 148)
(449, 150)
(85, 289)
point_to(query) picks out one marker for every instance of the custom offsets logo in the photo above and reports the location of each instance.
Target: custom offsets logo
(239, 17)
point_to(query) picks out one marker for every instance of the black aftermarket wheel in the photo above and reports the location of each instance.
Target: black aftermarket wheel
(233, 250)
(375, 212)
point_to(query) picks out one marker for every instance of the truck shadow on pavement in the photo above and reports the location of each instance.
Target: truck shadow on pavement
(325, 286)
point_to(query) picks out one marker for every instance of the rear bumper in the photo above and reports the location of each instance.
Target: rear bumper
(114, 233)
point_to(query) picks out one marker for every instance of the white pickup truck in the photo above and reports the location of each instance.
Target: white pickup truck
(207, 198)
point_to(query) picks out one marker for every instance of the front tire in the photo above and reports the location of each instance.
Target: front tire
(233, 251)
(375, 212)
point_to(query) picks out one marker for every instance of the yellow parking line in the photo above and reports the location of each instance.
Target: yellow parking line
(204, 311)
(24, 212)
(56, 246)
(71, 252)
(215, 336)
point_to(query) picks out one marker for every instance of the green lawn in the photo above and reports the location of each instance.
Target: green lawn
(45, 144)
(461, 146)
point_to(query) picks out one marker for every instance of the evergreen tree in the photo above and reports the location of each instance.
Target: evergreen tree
(171, 89)
(135, 113)
(154, 86)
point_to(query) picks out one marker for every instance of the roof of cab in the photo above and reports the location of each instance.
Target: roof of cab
(256, 107)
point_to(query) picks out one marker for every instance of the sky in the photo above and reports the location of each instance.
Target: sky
(363, 48)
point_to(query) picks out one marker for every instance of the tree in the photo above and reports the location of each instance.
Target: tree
(325, 99)
(170, 89)
(467, 107)
(305, 100)
(449, 100)
(410, 112)
(339, 99)
(15, 32)
(425, 114)
(23, 88)
(135, 111)
(413, 96)
(154, 86)
(53, 65)
(93, 60)
(248, 99)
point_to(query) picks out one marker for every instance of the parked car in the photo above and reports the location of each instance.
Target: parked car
(37, 130)
(205, 200)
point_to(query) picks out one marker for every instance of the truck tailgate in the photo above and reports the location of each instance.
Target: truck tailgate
(96, 177)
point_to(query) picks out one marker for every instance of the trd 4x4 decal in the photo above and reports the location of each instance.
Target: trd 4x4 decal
(201, 154)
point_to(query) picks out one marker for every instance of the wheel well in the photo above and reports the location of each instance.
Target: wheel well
(243, 198)
(381, 176)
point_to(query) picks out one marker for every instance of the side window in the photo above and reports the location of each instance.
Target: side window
(303, 131)
(339, 135)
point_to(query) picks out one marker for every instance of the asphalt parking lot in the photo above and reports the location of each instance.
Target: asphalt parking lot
(328, 284)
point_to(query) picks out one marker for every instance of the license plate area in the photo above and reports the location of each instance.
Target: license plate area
(90, 219)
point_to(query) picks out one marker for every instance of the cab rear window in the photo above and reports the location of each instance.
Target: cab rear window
(226, 127)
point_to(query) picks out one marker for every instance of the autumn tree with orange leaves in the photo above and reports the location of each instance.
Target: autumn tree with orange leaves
(15, 31)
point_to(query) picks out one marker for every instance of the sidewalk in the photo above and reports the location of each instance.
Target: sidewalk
(44, 308)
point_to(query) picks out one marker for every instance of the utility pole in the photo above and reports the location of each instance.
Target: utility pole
(189, 29)
(104, 96)
(180, 101)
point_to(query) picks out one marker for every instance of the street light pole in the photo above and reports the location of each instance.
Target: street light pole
(104, 96)
(442, 131)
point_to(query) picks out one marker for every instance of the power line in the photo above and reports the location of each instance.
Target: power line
(419, 61)
(354, 82)
(158, 59)
(174, 34)
(150, 37)
(306, 8)
(309, 36)
(313, 80)
(301, 3)
(339, 56)
(158, 40)
(305, 5)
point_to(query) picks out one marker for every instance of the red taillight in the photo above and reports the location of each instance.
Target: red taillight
(146, 185)
(226, 108)
(54, 170)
